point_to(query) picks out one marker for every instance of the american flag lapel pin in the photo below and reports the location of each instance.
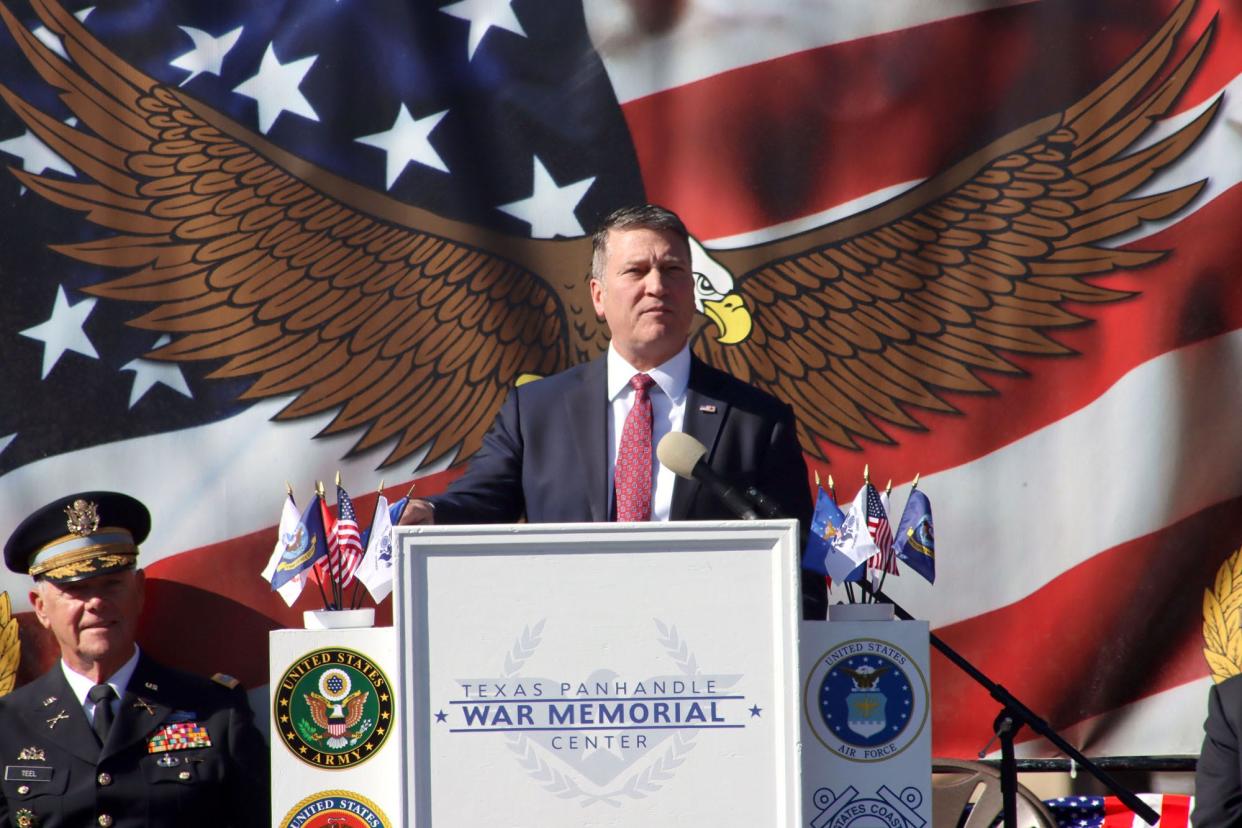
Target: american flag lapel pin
(707, 408)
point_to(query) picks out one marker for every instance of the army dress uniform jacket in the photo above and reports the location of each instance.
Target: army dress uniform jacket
(214, 771)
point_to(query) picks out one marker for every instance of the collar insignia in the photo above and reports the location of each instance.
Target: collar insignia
(143, 704)
(59, 717)
(31, 754)
(49, 701)
(150, 685)
(82, 517)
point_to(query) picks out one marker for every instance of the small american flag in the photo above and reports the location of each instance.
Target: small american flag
(881, 532)
(1110, 812)
(347, 538)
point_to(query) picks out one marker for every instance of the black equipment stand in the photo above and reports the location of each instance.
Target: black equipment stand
(1013, 715)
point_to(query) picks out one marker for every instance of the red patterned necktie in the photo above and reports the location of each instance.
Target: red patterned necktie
(633, 475)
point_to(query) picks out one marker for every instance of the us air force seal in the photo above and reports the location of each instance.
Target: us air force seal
(866, 700)
(333, 708)
(335, 809)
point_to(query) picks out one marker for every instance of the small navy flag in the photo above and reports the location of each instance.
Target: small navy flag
(916, 542)
(304, 548)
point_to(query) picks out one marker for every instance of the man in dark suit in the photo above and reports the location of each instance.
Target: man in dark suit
(108, 737)
(552, 454)
(1218, 779)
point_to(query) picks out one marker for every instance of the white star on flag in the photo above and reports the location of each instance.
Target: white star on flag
(550, 209)
(63, 331)
(276, 88)
(36, 156)
(483, 16)
(208, 53)
(149, 372)
(408, 140)
(51, 41)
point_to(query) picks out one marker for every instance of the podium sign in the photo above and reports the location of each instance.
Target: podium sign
(866, 754)
(605, 674)
(336, 757)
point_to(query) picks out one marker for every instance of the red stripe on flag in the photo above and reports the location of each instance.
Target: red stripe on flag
(1116, 628)
(838, 120)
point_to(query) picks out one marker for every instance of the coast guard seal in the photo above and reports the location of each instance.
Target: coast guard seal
(866, 700)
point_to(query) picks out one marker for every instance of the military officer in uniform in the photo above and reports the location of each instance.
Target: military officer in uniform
(108, 737)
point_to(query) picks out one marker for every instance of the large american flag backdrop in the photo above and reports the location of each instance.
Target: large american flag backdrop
(1085, 474)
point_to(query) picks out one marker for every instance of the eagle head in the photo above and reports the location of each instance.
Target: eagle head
(715, 296)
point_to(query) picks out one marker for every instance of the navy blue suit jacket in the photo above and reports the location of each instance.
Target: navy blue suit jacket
(546, 458)
(1218, 779)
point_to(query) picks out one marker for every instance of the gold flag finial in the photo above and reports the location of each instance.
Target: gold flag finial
(867, 473)
(915, 484)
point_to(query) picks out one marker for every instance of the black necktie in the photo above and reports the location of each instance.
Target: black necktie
(102, 695)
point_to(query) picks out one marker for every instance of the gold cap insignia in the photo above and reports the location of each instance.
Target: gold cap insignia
(83, 517)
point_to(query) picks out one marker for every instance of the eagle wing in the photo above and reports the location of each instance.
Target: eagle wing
(411, 327)
(318, 708)
(860, 324)
(353, 707)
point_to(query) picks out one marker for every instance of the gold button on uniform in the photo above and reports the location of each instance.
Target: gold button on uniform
(183, 775)
(104, 779)
(105, 821)
(23, 789)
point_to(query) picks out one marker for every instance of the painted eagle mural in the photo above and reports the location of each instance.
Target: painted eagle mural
(993, 242)
(412, 326)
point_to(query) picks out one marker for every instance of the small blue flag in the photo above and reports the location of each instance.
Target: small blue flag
(304, 547)
(916, 542)
(822, 553)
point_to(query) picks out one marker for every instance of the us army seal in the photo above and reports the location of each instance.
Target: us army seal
(333, 708)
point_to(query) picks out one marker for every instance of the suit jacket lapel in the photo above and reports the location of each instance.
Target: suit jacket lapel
(63, 722)
(586, 410)
(705, 414)
(140, 712)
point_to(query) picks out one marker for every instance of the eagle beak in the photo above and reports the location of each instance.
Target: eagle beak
(731, 317)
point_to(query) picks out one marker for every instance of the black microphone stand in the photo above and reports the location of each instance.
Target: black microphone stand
(1013, 715)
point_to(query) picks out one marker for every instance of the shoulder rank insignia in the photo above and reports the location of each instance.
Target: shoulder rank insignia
(225, 679)
(31, 754)
(178, 736)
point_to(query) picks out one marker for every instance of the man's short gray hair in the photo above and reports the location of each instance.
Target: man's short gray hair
(636, 217)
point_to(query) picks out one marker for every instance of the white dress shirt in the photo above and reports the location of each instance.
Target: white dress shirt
(119, 680)
(668, 413)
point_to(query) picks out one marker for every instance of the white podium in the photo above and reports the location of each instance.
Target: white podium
(599, 674)
(612, 675)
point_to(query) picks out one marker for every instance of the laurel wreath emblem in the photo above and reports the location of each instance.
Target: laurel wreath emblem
(638, 786)
(10, 646)
(1222, 620)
